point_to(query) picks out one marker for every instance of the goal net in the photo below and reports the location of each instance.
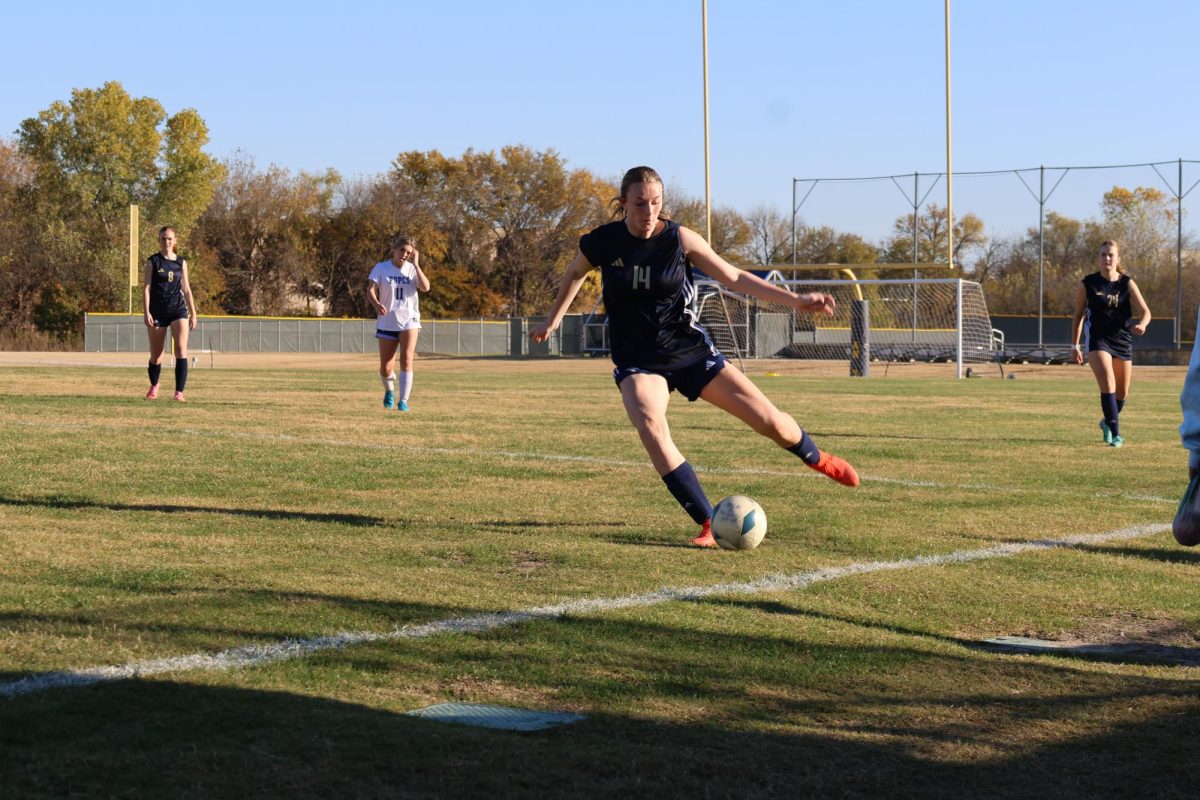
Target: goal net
(929, 320)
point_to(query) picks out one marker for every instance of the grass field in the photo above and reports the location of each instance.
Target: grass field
(291, 569)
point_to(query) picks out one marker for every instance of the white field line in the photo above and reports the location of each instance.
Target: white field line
(258, 655)
(515, 455)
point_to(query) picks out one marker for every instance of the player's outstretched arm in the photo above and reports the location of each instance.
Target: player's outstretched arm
(704, 258)
(572, 280)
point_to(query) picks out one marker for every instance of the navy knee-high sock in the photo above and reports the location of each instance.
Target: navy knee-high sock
(1120, 406)
(806, 448)
(181, 370)
(1108, 405)
(685, 487)
(154, 371)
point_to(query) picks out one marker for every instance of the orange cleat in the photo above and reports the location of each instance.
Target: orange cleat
(705, 539)
(836, 468)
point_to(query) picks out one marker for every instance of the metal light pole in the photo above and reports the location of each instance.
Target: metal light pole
(707, 185)
(949, 172)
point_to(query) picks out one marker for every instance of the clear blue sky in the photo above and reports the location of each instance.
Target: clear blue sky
(796, 89)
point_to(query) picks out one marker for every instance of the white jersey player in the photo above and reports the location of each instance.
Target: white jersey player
(393, 292)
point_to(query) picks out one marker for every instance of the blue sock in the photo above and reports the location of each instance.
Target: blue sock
(685, 487)
(1108, 405)
(806, 448)
(1120, 406)
(154, 371)
(181, 366)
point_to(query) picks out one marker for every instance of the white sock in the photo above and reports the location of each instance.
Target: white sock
(389, 383)
(406, 379)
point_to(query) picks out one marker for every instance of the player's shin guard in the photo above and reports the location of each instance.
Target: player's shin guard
(181, 372)
(685, 487)
(405, 387)
(1108, 405)
(155, 372)
(389, 382)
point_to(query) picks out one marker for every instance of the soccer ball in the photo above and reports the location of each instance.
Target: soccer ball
(738, 523)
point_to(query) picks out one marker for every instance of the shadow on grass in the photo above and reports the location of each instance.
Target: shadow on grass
(712, 715)
(1178, 555)
(70, 503)
(1129, 652)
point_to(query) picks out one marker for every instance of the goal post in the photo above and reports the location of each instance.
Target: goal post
(914, 320)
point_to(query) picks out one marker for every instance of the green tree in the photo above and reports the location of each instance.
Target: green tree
(92, 157)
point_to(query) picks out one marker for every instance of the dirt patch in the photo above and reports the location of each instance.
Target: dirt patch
(1127, 628)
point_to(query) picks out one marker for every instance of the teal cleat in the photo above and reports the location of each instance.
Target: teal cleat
(389, 399)
(1117, 441)
(1107, 431)
(402, 405)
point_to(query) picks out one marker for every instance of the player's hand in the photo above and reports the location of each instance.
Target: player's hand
(148, 321)
(542, 332)
(380, 310)
(816, 303)
(1077, 354)
(1138, 329)
(192, 322)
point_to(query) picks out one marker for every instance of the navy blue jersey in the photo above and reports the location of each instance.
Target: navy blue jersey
(648, 295)
(166, 286)
(1108, 310)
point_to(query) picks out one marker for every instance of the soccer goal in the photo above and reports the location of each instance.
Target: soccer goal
(925, 319)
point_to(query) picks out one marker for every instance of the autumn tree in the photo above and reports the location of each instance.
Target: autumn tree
(262, 226)
(770, 240)
(512, 219)
(731, 234)
(931, 231)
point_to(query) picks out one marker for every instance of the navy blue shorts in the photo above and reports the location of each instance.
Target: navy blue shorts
(1117, 347)
(163, 319)
(688, 380)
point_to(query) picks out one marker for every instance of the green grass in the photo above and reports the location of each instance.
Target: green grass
(288, 504)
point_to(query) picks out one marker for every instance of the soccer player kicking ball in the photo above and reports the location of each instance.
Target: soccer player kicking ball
(657, 344)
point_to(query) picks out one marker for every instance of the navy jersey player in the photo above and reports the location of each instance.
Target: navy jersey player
(167, 305)
(392, 287)
(657, 346)
(1104, 311)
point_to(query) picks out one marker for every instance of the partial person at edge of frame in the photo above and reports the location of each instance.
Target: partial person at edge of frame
(657, 345)
(1186, 526)
(1104, 311)
(167, 305)
(392, 287)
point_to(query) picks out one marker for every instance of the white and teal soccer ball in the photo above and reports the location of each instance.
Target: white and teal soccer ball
(738, 523)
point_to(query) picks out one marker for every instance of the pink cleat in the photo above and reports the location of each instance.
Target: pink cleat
(179, 396)
(153, 393)
(705, 539)
(836, 468)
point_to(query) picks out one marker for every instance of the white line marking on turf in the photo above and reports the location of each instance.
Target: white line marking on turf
(258, 655)
(516, 455)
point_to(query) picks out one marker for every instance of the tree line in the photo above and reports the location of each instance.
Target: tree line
(496, 229)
